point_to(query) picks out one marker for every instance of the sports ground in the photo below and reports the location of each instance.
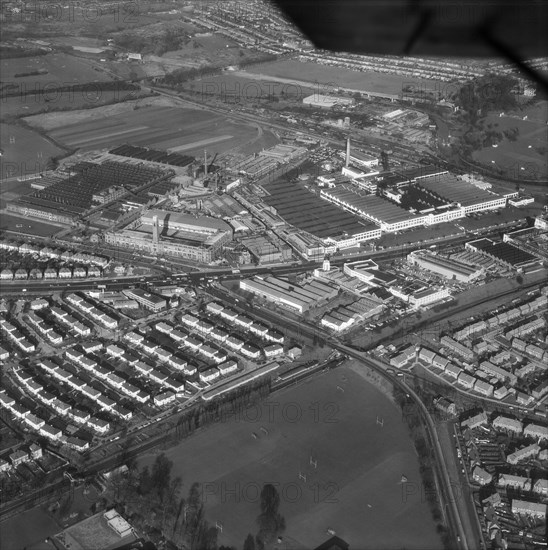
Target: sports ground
(24, 151)
(527, 157)
(336, 467)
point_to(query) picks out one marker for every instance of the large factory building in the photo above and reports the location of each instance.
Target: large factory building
(158, 232)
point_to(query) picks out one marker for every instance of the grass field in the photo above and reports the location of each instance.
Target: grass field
(332, 77)
(230, 87)
(58, 99)
(159, 127)
(23, 151)
(355, 488)
(60, 69)
(27, 529)
(526, 157)
(28, 226)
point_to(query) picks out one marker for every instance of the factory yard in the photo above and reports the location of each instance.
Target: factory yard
(355, 488)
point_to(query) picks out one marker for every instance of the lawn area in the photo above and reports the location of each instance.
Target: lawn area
(527, 156)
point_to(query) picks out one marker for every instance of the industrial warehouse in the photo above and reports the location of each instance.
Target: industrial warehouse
(304, 210)
(451, 269)
(455, 190)
(297, 297)
(390, 217)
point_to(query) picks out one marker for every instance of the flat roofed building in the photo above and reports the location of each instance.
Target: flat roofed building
(428, 296)
(117, 523)
(390, 217)
(460, 192)
(151, 301)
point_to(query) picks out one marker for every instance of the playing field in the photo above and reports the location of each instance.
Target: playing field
(527, 156)
(57, 70)
(355, 487)
(174, 128)
(23, 151)
(27, 529)
(27, 226)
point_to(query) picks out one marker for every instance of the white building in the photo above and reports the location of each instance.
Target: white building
(508, 424)
(526, 508)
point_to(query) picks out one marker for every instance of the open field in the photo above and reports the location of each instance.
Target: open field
(232, 87)
(29, 226)
(177, 128)
(57, 99)
(27, 529)
(59, 69)
(527, 157)
(329, 78)
(355, 488)
(24, 151)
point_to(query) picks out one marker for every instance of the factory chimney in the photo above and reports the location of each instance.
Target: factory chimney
(205, 162)
(155, 230)
(347, 151)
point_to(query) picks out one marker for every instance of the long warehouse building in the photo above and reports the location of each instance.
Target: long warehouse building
(450, 269)
(294, 296)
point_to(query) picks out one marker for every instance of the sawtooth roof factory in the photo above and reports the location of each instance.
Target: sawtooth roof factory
(181, 235)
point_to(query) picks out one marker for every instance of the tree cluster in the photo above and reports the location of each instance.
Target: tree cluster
(152, 500)
(224, 407)
(490, 92)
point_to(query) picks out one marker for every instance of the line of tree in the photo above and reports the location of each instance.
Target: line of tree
(151, 499)
(426, 464)
(223, 407)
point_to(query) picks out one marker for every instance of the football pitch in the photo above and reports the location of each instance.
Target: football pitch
(336, 449)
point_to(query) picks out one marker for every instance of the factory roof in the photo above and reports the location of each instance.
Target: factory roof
(371, 205)
(450, 187)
